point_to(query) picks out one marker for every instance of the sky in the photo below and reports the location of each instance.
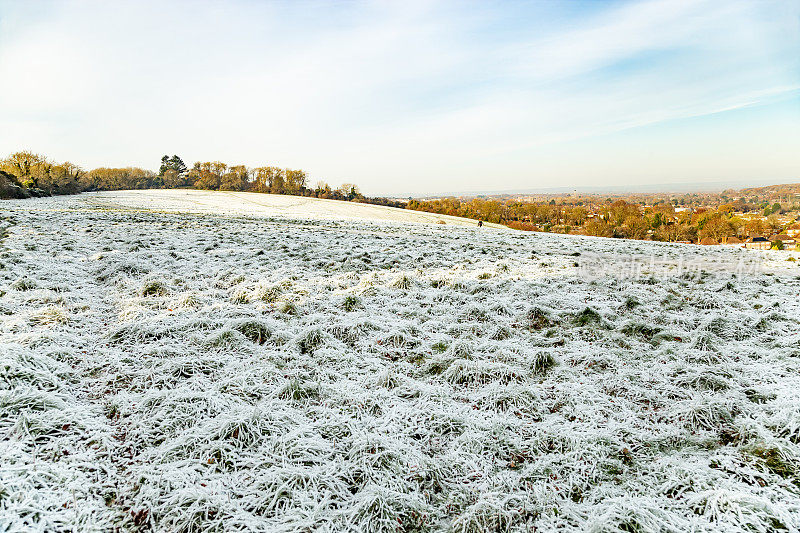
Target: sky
(411, 97)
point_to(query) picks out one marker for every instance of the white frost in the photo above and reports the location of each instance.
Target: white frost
(194, 361)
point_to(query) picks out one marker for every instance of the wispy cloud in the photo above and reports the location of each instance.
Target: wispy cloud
(397, 96)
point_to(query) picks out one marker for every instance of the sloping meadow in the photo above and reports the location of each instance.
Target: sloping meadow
(197, 373)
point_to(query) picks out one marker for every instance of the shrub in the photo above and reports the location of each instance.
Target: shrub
(11, 188)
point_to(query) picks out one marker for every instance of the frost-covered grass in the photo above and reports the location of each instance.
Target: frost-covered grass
(213, 372)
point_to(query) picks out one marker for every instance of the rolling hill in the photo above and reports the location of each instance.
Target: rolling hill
(191, 361)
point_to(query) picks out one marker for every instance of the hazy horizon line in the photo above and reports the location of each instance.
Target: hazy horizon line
(657, 188)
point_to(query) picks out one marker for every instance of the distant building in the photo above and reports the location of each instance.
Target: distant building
(709, 241)
(787, 241)
(758, 243)
(732, 241)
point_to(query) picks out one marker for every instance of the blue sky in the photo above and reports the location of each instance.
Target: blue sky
(413, 97)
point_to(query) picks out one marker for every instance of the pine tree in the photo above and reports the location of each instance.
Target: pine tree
(174, 164)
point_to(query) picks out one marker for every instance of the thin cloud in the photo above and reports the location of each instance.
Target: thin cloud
(416, 97)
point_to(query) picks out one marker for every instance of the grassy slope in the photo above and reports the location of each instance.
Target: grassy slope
(256, 204)
(214, 371)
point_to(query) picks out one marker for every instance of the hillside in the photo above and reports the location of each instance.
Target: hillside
(258, 204)
(192, 361)
(784, 189)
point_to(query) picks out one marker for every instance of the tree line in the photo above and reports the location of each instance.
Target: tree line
(26, 174)
(619, 219)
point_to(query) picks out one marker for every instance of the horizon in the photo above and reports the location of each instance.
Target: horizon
(423, 97)
(617, 190)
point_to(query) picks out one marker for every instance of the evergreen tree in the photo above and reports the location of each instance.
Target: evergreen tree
(174, 164)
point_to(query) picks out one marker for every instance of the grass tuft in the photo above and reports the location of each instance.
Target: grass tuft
(642, 331)
(299, 391)
(588, 317)
(542, 362)
(403, 282)
(254, 330)
(774, 461)
(153, 287)
(24, 284)
(538, 319)
(310, 340)
(351, 303)
(50, 315)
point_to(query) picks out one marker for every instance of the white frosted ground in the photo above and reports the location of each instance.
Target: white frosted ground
(215, 370)
(256, 204)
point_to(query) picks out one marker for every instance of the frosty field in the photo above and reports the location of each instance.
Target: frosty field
(236, 366)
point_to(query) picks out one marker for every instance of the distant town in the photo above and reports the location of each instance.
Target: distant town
(758, 218)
